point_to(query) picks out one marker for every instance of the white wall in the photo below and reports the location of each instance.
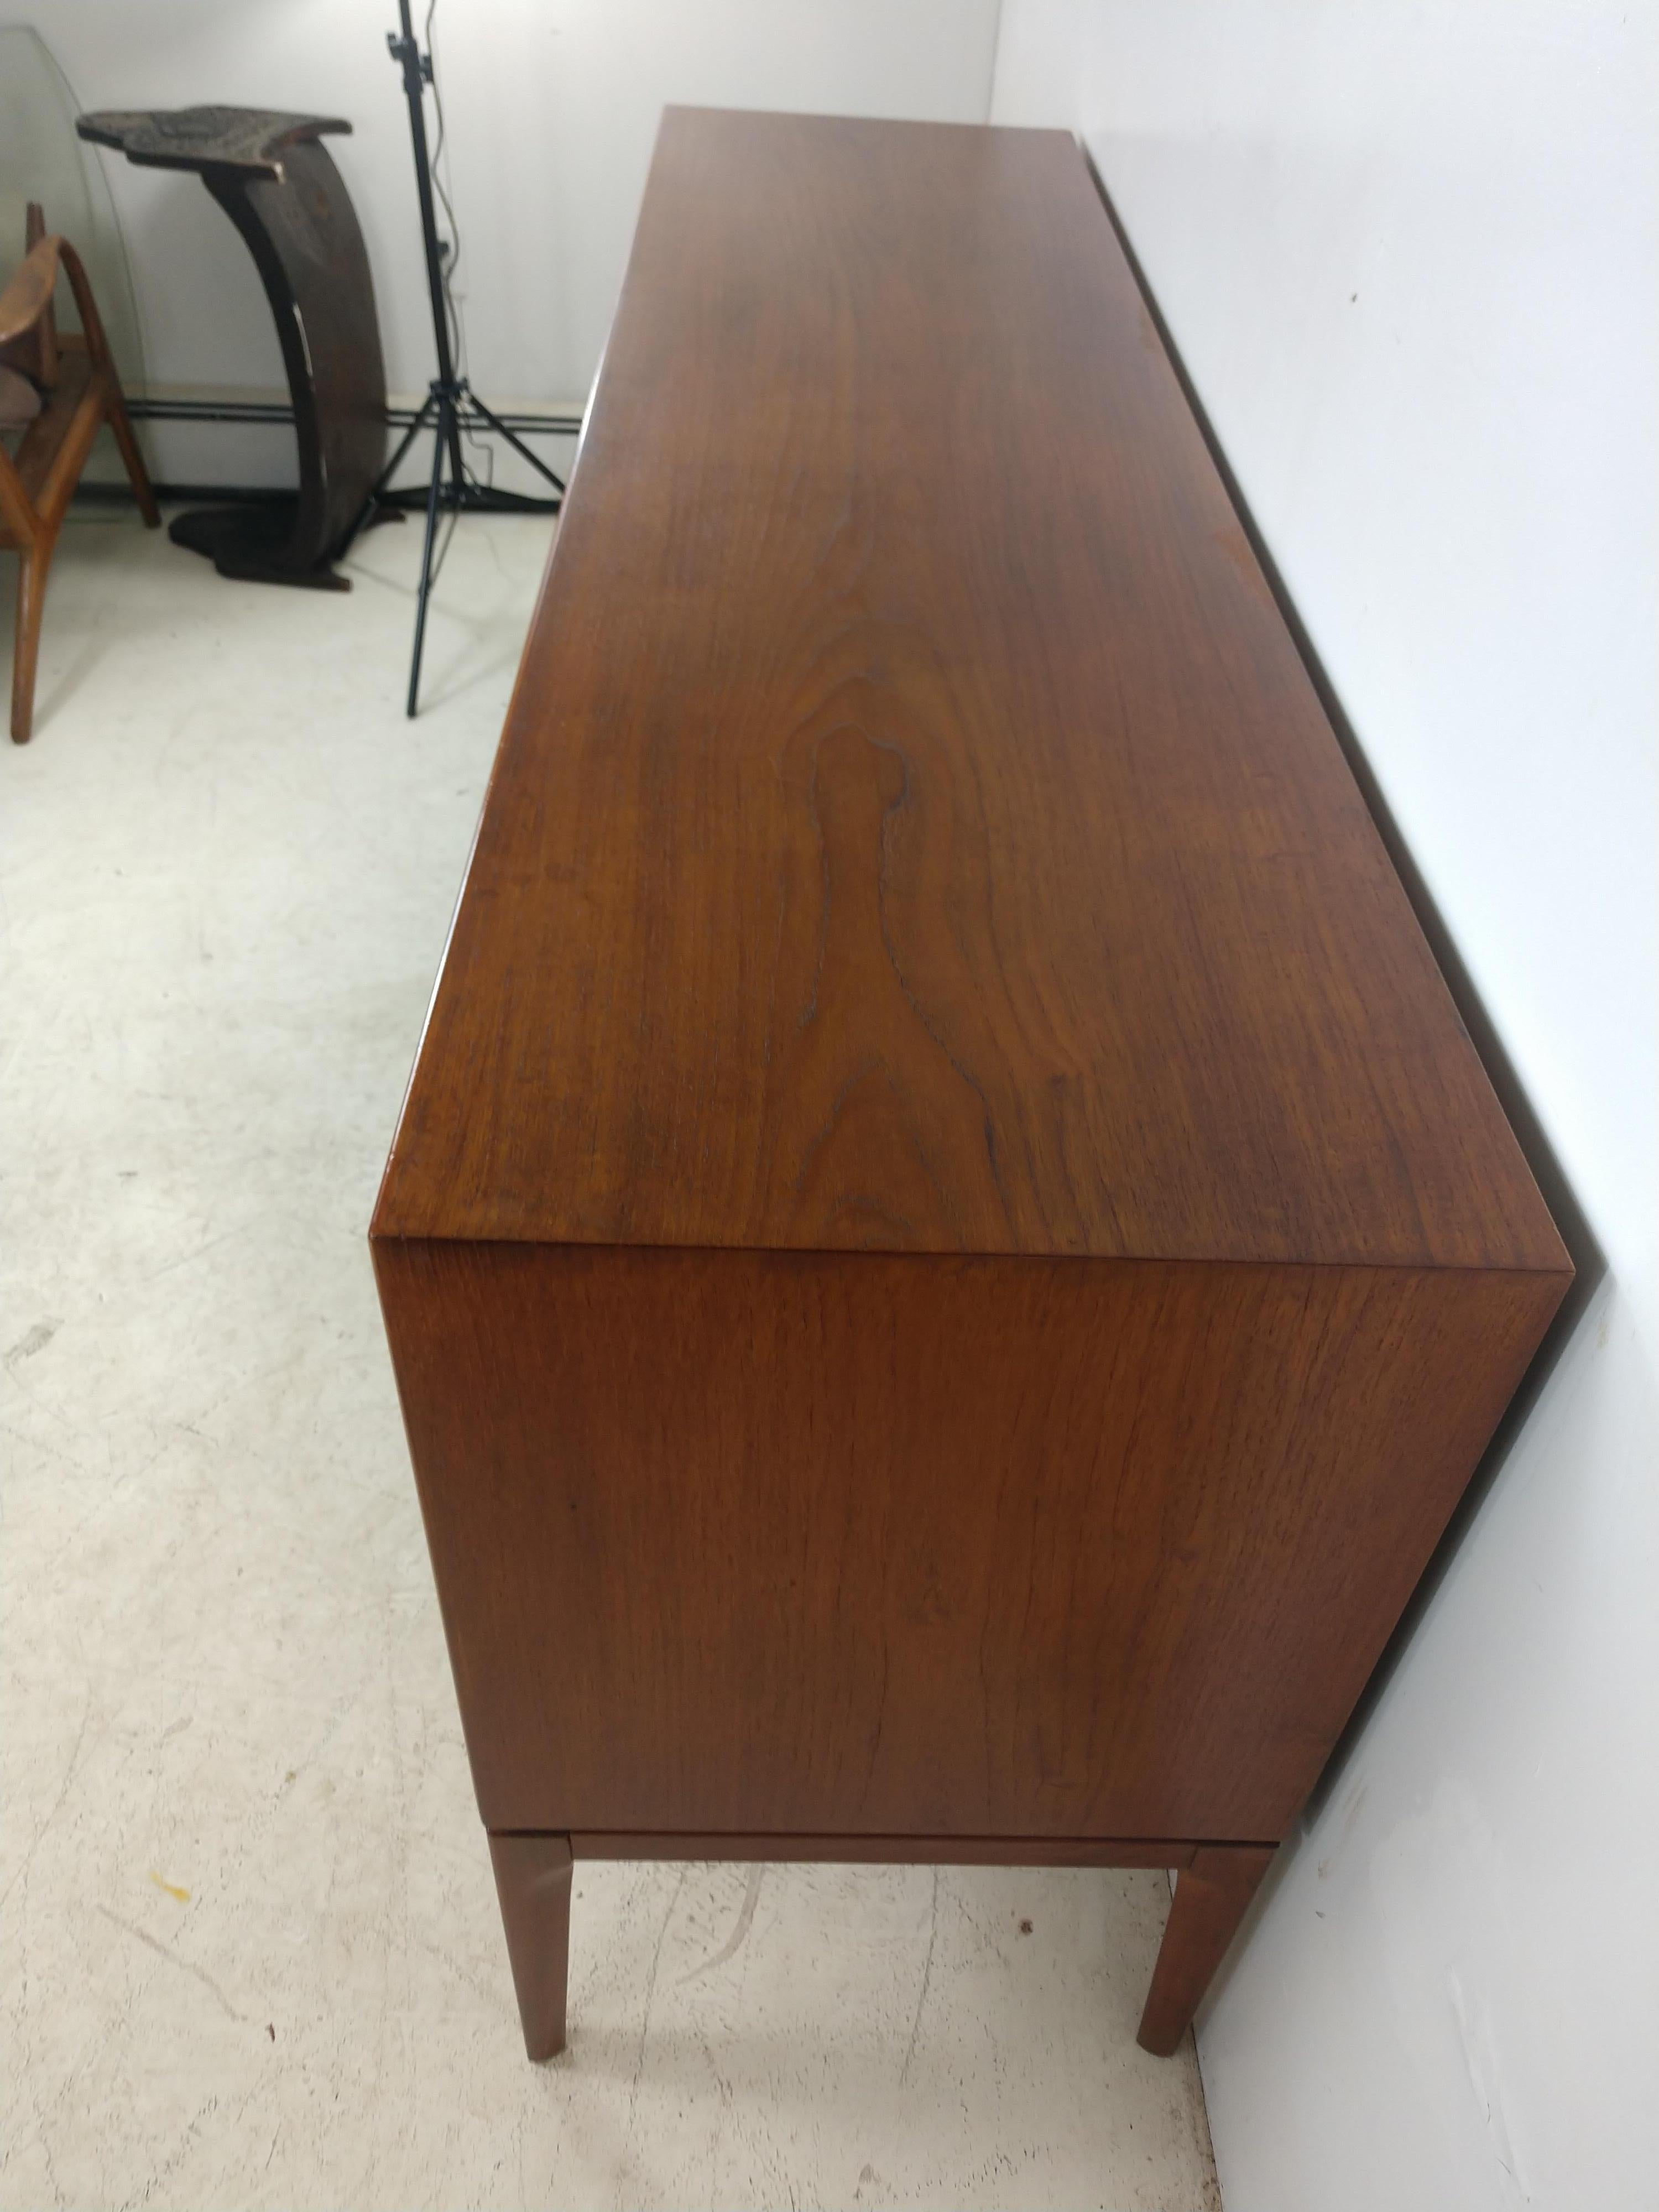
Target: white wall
(1407, 252)
(551, 106)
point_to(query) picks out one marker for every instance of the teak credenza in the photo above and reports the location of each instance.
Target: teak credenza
(947, 1255)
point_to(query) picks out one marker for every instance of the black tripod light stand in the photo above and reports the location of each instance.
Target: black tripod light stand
(451, 406)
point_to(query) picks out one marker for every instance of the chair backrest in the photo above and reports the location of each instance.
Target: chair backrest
(29, 325)
(20, 403)
(31, 350)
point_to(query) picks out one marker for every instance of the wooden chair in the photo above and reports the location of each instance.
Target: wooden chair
(61, 389)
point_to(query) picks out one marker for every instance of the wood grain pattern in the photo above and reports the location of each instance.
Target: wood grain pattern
(947, 1257)
(914, 829)
(860, 1543)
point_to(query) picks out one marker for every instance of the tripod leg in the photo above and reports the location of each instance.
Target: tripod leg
(440, 445)
(517, 444)
(422, 416)
(390, 471)
(449, 423)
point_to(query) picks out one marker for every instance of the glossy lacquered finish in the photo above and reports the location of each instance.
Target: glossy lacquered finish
(915, 829)
(947, 1255)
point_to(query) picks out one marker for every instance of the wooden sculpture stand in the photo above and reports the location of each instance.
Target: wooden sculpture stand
(289, 203)
(947, 1255)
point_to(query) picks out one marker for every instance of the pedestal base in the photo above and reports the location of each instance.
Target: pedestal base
(251, 542)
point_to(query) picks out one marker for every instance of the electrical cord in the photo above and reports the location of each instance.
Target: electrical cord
(451, 260)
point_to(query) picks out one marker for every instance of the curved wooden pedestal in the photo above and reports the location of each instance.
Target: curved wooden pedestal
(283, 192)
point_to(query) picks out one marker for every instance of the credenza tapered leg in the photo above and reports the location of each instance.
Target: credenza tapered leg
(532, 1880)
(1210, 1898)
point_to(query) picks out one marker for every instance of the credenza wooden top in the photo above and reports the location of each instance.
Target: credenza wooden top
(915, 829)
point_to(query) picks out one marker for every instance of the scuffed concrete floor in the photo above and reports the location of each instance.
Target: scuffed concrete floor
(251, 1954)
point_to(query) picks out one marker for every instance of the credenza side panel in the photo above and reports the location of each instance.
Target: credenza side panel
(865, 1544)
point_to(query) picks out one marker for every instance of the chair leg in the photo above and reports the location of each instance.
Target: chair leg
(137, 474)
(33, 561)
